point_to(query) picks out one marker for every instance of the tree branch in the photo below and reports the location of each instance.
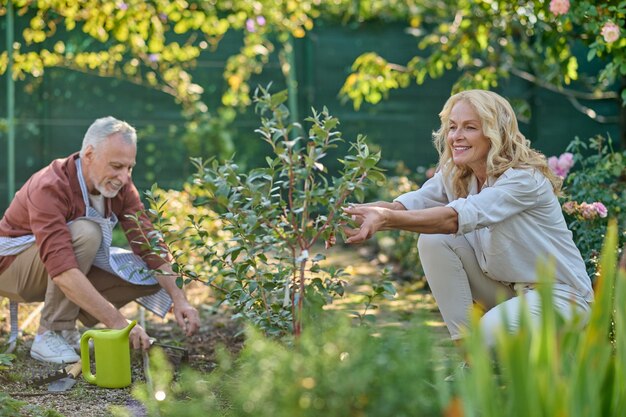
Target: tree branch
(607, 95)
(591, 113)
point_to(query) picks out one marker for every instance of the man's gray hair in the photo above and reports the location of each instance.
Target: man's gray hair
(102, 128)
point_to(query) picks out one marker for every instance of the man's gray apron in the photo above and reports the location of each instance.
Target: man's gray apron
(121, 262)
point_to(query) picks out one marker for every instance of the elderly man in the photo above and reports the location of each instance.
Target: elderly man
(55, 246)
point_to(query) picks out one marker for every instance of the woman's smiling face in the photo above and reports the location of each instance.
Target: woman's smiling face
(468, 145)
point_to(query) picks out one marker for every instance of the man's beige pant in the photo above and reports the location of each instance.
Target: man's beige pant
(26, 280)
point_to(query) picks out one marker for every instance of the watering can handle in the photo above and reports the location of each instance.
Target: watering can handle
(84, 357)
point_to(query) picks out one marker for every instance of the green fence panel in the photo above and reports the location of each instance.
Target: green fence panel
(53, 111)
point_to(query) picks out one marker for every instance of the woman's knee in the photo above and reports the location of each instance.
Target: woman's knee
(430, 243)
(490, 325)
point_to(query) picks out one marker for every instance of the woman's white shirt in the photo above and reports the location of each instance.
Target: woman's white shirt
(513, 222)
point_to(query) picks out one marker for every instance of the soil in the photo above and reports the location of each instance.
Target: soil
(217, 329)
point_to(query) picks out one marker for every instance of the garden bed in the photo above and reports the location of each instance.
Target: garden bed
(217, 329)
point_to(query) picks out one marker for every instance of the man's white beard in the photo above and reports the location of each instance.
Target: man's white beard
(102, 189)
(105, 193)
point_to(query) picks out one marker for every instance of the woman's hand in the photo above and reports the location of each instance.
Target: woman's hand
(370, 220)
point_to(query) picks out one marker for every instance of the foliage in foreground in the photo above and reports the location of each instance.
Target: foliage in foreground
(274, 215)
(333, 370)
(596, 178)
(556, 370)
(338, 370)
(10, 407)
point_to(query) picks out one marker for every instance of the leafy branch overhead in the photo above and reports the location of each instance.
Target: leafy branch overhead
(157, 43)
(153, 44)
(488, 41)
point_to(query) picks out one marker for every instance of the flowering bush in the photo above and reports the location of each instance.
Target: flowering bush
(584, 210)
(593, 192)
(561, 165)
(610, 32)
(485, 42)
(559, 7)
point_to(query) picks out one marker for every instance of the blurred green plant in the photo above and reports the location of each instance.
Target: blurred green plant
(552, 368)
(274, 215)
(193, 232)
(10, 407)
(382, 289)
(485, 41)
(153, 44)
(6, 361)
(598, 176)
(334, 370)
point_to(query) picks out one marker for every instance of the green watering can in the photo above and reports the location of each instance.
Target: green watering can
(112, 357)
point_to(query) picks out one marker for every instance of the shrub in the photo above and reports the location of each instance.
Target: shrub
(333, 370)
(191, 230)
(596, 178)
(274, 215)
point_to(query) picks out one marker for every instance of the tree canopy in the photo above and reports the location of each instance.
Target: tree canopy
(487, 41)
(156, 43)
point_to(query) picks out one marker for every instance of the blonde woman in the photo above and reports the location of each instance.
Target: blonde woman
(488, 215)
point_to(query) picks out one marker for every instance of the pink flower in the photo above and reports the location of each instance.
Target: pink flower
(570, 207)
(250, 25)
(588, 211)
(610, 32)
(558, 7)
(553, 163)
(600, 209)
(561, 165)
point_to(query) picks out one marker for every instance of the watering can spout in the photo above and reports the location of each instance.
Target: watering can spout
(126, 331)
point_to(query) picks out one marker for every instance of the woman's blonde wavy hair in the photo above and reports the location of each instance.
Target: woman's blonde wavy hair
(509, 148)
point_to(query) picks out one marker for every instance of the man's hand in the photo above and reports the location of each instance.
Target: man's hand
(187, 317)
(138, 338)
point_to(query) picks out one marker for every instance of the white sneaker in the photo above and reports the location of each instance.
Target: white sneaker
(72, 337)
(52, 347)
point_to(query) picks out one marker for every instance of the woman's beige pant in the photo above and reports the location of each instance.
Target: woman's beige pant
(26, 280)
(456, 281)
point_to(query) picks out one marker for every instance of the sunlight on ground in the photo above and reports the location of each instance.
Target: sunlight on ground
(412, 302)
